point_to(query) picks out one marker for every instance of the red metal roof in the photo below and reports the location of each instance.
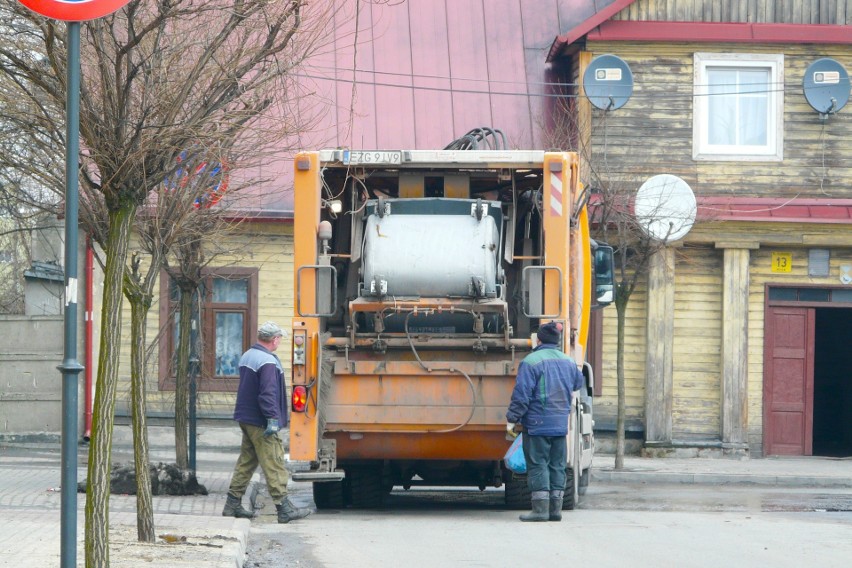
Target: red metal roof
(770, 209)
(618, 30)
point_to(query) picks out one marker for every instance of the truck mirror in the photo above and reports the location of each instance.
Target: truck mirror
(533, 291)
(604, 291)
(323, 277)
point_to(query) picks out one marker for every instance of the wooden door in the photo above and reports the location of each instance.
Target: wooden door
(788, 381)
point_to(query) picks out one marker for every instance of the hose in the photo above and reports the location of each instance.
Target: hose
(449, 369)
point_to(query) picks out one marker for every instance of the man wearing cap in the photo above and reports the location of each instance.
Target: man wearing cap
(541, 404)
(261, 411)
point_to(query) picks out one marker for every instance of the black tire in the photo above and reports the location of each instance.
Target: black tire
(584, 480)
(329, 495)
(570, 500)
(517, 494)
(366, 490)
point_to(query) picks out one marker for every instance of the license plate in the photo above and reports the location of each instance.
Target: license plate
(353, 157)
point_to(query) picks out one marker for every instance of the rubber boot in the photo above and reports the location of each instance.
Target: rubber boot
(234, 508)
(288, 512)
(540, 502)
(556, 498)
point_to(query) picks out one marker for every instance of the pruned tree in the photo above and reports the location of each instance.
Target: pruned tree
(157, 78)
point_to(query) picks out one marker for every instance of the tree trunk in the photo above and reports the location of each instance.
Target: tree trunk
(182, 380)
(140, 303)
(621, 309)
(98, 488)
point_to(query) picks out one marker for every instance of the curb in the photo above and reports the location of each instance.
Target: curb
(674, 478)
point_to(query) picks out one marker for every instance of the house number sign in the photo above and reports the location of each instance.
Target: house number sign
(782, 262)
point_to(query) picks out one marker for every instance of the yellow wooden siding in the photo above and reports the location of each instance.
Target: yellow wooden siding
(606, 406)
(267, 246)
(697, 345)
(653, 132)
(750, 11)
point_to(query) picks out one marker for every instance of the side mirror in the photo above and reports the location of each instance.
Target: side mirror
(604, 291)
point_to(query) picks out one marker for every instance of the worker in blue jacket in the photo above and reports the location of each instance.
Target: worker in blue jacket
(541, 404)
(261, 411)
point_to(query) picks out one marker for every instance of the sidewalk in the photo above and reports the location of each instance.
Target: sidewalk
(772, 471)
(30, 501)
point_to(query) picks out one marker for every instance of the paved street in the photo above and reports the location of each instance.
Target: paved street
(775, 512)
(617, 526)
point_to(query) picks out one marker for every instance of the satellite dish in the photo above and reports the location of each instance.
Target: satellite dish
(826, 85)
(665, 207)
(608, 82)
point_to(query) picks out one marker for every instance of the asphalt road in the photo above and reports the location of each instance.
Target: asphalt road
(625, 526)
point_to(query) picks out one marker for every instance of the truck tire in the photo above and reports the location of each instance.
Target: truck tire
(329, 495)
(366, 490)
(570, 500)
(572, 481)
(517, 494)
(584, 480)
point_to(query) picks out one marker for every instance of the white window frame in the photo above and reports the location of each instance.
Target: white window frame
(702, 150)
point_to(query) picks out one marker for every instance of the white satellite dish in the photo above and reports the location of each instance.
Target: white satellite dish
(665, 207)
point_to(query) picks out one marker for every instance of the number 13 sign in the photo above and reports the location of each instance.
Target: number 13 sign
(74, 10)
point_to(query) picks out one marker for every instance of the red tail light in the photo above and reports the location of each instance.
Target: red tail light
(300, 398)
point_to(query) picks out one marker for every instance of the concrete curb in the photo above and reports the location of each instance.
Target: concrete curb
(675, 478)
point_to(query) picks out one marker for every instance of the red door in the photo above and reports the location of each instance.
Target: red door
(788, 382)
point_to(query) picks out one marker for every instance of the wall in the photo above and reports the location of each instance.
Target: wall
(760, 11)
(30, 385)
(652, 133)
(267, 246)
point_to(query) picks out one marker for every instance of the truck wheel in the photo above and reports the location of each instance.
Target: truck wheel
(366, 490)
(329, 495)
(517, 494)
(570, 500)
(584, 480)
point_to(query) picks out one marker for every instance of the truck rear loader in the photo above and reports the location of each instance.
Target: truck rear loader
(420, 278)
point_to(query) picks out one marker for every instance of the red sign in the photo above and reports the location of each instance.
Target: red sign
(74, 10)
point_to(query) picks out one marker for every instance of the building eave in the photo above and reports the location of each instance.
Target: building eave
(600, 28)
(775, 210)
(577, 32)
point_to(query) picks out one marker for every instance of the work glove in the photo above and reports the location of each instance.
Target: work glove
(510, 430)
(272, 427)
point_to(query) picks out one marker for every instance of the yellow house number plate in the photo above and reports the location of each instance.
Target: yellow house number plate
(782, 262)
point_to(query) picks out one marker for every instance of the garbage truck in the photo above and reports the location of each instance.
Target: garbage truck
(420, 278)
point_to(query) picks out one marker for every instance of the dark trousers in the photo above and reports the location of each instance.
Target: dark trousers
(547, 458)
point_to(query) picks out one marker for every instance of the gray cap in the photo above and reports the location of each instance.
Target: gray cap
(269, 330)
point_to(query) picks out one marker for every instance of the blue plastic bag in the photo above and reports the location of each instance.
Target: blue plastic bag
(514, 458)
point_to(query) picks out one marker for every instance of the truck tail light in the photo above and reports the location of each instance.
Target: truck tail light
(300, 398)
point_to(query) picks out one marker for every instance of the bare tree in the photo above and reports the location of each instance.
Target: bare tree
(157, 78)
(612, 218)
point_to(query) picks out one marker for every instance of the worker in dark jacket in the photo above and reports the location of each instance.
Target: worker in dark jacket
(261, 411)
(541, 403)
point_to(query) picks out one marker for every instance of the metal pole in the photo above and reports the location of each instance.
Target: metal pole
(70, 367)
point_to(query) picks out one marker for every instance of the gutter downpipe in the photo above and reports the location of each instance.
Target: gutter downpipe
(89, 324)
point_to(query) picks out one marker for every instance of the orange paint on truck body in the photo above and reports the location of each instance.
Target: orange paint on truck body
(416, 375)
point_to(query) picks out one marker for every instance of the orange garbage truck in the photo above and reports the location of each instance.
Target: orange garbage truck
(420, 279)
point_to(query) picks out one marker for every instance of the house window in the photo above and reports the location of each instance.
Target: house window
(738, 107)
(227, 325)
